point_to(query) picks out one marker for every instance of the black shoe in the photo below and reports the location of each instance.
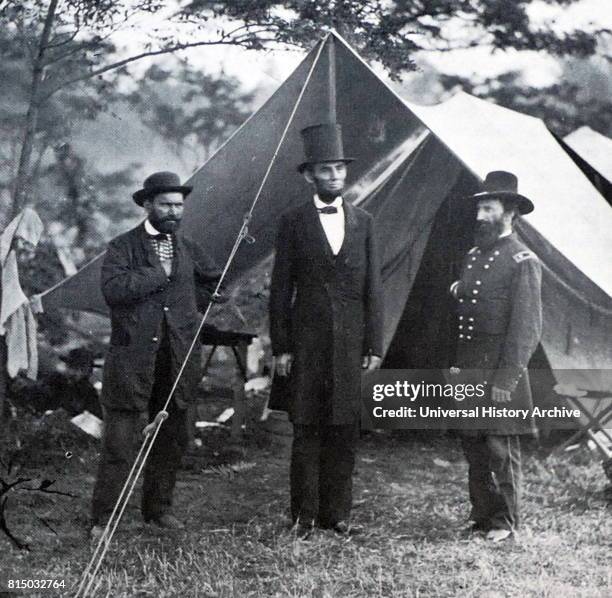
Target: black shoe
(477, 527)
(344, 529)
(167, 521)
(303, 532)
(96, 532)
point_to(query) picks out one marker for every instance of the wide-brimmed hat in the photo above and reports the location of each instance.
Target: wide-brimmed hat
(500, 184)
(323, 143)
(160, 182)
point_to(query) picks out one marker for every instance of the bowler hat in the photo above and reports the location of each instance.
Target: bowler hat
(500, 184)
(160, 182)
(323, 143)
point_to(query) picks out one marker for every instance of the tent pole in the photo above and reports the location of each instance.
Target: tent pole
(331, 79)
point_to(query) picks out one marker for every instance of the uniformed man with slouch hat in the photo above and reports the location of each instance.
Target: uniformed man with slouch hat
(498, 329)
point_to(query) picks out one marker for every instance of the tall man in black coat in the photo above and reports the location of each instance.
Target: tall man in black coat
(154, 282)
(499, 327)
(325, 325)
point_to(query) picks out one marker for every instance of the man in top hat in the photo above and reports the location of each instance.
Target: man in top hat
(325, 326)
(499, 326)
(155, 282)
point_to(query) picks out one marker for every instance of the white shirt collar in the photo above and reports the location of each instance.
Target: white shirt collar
(506, 234)
(150, 229)
(337, 203)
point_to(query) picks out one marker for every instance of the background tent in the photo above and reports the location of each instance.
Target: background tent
(414, 168)
(592, 152)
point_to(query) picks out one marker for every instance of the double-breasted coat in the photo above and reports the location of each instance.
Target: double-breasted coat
(326, 310)
(145, 303)
(499, 325)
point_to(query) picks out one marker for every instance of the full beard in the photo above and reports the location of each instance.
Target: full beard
(168, 226)
(487, 233)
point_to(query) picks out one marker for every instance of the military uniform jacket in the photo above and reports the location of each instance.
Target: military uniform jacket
(144, 304)
(326, 310)
(499, 323)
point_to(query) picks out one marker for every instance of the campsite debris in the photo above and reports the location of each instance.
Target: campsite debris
(229, 471)
(203, 424)
(89, 423)
(258, 384)
(441, 462)
(225, 415)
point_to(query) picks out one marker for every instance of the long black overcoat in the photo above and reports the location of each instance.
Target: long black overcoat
(326, 310)
(142, 299)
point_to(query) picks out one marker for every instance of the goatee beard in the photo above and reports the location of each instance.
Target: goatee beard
(487, 233)
(326, 197)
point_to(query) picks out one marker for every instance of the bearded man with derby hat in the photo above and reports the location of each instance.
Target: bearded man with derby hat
(498, 329)
(154, 282)
(325, 326)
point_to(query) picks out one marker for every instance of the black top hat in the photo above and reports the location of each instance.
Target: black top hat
(323, 143)
(500, 184)
(160, 182)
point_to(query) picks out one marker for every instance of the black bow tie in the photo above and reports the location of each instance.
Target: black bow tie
(328, 210)
(162, 237)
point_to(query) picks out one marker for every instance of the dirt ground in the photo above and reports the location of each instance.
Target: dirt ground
(410, 494)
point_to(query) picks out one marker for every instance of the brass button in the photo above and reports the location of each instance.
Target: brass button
(469, 266)
(473, 258)
(475, 291)
(496, 252)
(471, 319)
(469, 338)
(460, 300)
(491, 259)
(470, 327)
(478, 282)
(461, 336)
(166, 308)
(486, 266)
(461, 317)
(474, 301)
(154, 339)
(460, 327)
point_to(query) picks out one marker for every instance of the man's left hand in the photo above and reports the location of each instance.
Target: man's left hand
(499, 395)
(371, 362)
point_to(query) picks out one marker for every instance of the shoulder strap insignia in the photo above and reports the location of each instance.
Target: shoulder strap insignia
(521, 256)
(473, 250)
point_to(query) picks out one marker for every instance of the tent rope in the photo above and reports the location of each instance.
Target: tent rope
(88, 577)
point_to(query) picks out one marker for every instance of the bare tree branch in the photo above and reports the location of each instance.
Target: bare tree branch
(126, 61)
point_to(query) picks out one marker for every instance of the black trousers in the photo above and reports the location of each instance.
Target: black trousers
(495, 479)
(122, 439)
(322, 464)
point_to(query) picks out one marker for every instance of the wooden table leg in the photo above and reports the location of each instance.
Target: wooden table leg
(239, 418)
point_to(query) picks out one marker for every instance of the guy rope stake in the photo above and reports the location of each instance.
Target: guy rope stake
(151, 430)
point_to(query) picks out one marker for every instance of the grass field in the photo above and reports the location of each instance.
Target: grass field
(410, 494)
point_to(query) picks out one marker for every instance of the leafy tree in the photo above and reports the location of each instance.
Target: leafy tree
(192, 110)
(68, 43)
(392, 32)
(581, 96)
